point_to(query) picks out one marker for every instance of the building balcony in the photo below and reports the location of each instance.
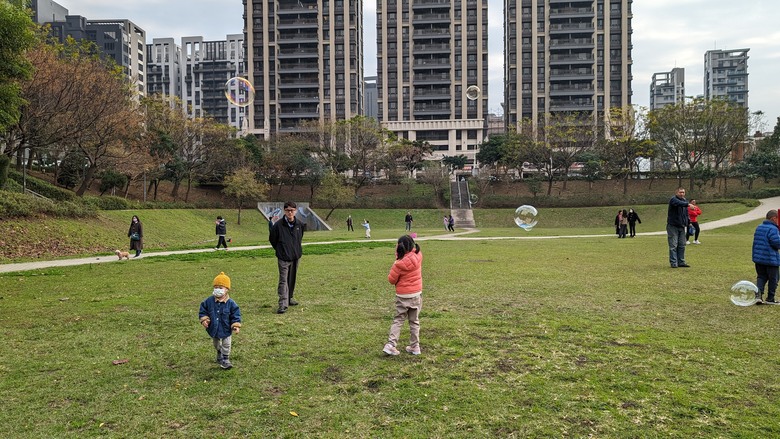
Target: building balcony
(431, 48)
(571, 91)
(282, 53)
(571, 12)
(432, 33)
(443, 63)
(299, 67)
(419, 4)
(431, 18)
(297, 23)
(571, 28)
(298, 98)
(298, 113)
(430, 95)
(581, 58)
(296, 8)
(298, 83)
(296, 38)
(443, 78)
(572, 43)
(578, 105)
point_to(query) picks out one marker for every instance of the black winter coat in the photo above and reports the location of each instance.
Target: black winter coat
(286, 239)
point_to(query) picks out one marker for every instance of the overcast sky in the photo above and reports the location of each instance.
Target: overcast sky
(667, 34)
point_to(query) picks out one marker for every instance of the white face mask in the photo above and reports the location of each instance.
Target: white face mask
(218, 292)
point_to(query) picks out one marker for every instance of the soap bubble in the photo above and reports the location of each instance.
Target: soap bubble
(525, 217)
(239, 91)
(744, 293)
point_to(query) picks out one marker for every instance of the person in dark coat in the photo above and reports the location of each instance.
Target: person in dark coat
(633, 218)
(221, 231)
(766, 243)
(136, 235)
(285, 237)
(676, 228)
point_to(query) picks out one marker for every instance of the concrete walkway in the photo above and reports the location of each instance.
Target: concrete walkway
(754, 215)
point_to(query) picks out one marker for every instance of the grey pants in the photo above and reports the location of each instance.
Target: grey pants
(222, 345)
(288, 270)
(406, 309)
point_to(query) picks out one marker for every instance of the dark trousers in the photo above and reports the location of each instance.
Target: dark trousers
(766, 273)
(221, 241)
(697, 229)
(288, 270)
(632, 228)
(350, 228)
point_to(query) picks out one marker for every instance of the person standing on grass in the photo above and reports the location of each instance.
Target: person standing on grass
(136, 235)
(221, 231)
(633, 218)
(446, 222)
(286, 237)
(623, 227)
(618, 217)
(693, 215)
(367, 226)
(450, 223)
(349, 224)
(221, 317)
(766, 243)
(406, 275)
(408, 220)
(676, 225)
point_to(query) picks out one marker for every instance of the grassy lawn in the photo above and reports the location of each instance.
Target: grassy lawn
(586, 337)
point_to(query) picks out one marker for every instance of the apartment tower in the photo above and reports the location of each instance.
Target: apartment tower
(163, 68)
(726, 75)
(305, 60)
(667, 88)
(208, 65)
(566, 56)
(432, 68)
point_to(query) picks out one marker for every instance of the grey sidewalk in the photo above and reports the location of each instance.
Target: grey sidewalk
(755, 214)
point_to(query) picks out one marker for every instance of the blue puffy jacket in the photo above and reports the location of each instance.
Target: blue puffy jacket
(766, 243)
(223, 316)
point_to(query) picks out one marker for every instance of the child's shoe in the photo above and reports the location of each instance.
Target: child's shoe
(225, 364)
(390, 350)
(413, 351)
(219, 357)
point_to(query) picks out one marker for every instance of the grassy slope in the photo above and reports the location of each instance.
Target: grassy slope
(190, 228)
(554, 338)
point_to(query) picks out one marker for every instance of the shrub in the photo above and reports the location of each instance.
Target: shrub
(42, 187)
(17, 205)
(110, 202)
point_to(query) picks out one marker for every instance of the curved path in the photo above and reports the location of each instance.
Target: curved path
(755, 214)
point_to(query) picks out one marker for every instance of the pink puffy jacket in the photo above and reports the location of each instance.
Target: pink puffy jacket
(406, 274)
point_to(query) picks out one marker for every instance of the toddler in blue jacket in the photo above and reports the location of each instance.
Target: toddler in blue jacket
(221, 317)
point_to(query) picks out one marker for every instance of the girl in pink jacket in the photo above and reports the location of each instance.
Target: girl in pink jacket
(406, 275)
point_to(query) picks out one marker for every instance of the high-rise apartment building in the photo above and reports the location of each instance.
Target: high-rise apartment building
(207, 66)
(571, 56)
(121, 40)
(46, 11)
(305, 60)
(370, 106)
(163, 68)
(726, 75)
(432, 66)
(667, 88)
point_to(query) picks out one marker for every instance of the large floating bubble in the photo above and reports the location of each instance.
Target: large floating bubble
(744, 293)
(239, 91)
(525, 217)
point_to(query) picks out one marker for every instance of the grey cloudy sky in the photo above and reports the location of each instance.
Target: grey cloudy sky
(667, 34)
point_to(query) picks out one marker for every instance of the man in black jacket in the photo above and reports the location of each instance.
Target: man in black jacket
(676, 225)
(285, 237)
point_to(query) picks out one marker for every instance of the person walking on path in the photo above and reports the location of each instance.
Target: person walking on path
(221, 231)
(623, 224)
(693, 214)
(766, 243)
(450, 223)
(221, 317)
(633, 218)
(408, 220)
(406, 275)
(136, 235)
(367, 226)
(676, 225)
(349, 224)
(446, 222)
(617, 222)
(286, 237)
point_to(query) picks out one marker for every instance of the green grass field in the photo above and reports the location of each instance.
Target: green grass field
(571, 337)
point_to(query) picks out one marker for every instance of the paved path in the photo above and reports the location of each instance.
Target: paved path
(755, 214)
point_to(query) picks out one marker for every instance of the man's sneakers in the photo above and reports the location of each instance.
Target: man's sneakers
(696, 242)
(771, 302)
(413, 351)
(281, 310)
(390, 350)
(293, 302)
(684, 265)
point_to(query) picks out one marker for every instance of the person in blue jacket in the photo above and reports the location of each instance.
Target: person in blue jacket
(766, 243)
(221, 317)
